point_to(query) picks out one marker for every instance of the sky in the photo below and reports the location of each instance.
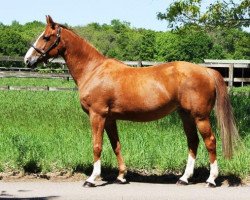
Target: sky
(139, 13)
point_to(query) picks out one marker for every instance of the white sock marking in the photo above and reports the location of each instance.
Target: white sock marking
(214, 172)
(189, 169)
(96, 172)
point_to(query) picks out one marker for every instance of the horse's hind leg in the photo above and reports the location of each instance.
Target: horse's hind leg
(112, 132)
(204, 126)
(193, 141)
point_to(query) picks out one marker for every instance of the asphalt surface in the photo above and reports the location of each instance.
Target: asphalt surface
(48, 190)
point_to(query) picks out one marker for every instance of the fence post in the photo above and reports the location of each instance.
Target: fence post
(242, 76)
(139, 63)
(231, 75)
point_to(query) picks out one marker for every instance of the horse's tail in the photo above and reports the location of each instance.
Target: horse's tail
(225, 117)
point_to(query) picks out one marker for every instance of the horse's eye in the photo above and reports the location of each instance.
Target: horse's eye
(46, 38)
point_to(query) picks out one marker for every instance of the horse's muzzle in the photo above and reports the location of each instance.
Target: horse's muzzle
(31, 62)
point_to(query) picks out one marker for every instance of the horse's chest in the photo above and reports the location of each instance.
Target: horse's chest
(85, 101)
(93, 101)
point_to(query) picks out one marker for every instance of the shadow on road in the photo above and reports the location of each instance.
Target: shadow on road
(200, 176)
(6, 196)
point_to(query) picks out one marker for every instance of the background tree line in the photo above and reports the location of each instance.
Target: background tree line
(194, 36)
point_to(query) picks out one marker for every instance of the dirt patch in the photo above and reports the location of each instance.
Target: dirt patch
(55, 176)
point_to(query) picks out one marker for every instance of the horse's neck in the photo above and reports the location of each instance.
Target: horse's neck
(81, 58)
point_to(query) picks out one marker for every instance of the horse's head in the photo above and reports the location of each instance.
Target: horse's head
(46, 46)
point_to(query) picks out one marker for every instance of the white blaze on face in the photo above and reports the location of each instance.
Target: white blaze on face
(30, 52)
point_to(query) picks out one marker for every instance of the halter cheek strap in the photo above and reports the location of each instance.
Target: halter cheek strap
(56, 42)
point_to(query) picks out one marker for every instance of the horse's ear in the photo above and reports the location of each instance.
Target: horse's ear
(50, 21)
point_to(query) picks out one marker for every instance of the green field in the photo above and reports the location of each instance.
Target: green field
(37, 82)
(47, 132)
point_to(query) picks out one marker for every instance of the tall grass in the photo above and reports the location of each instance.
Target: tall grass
(47, 131)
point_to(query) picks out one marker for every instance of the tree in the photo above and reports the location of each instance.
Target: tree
(167, 47)
(234, 42)
(242, 46)
(12, 43)
(221, 13)
(31, 30)
(195, 46)
(216, 52)
(147, 46)
(119, 40)
(188, 45)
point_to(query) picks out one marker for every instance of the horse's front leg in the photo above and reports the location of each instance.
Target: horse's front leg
(97, 124)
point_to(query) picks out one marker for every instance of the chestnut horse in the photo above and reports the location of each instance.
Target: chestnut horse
(110, 90)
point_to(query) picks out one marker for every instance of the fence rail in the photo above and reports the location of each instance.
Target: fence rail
(233, 71)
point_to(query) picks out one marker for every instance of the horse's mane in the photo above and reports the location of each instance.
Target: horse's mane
(91, 47)
(65, 27)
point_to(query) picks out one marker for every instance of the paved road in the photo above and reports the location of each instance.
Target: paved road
(47, 190)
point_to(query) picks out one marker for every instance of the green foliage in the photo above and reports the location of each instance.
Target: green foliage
(234, 43)
(15, 38)
(121, 41)
(195, 46)
(217, 52)
(189, 45)
(7, 39)
(167, 46)
(181, 12)
(226, 14)
(147, 47)
(30, 31)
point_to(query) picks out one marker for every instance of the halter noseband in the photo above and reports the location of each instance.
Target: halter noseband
(56, 42)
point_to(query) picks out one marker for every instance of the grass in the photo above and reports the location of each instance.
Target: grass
(36, 82)
(47, 131)
(245, 89)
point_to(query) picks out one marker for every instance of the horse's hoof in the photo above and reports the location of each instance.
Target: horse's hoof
(180, 182)
(210, 185)
(88, 184)
(121, 182)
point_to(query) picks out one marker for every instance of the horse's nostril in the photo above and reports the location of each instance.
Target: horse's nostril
(27, 62)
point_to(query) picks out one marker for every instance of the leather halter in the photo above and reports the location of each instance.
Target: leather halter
(56, 42)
